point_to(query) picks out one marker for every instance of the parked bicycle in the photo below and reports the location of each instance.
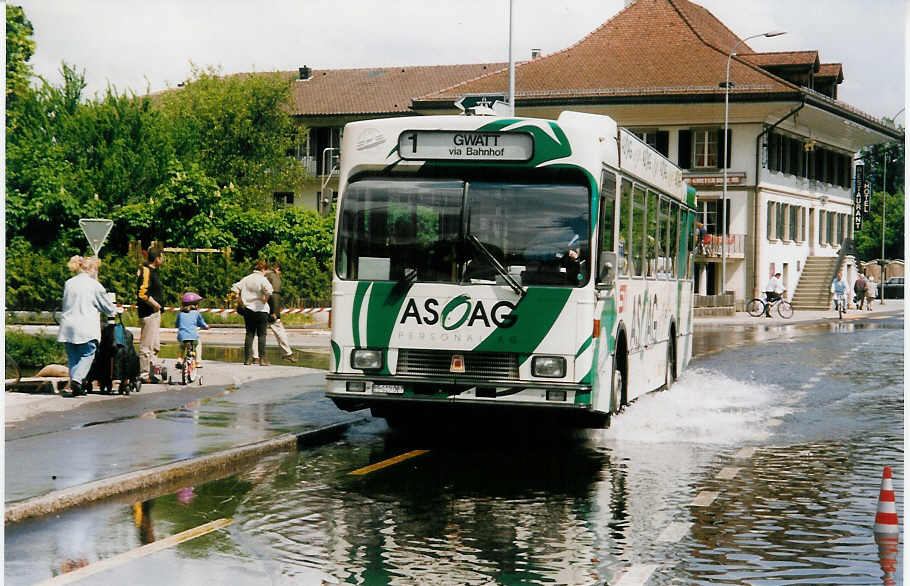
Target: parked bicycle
(757, 307)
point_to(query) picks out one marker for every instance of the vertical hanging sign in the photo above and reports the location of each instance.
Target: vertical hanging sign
(860, 181)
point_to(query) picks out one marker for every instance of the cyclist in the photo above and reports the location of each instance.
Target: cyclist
(839, 287)
(774, 290)
(189, 321)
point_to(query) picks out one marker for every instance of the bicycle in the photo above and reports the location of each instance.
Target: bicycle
(840, 304)
(757, 307)
(188, 366)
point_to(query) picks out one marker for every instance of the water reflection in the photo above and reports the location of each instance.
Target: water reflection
(234, 353)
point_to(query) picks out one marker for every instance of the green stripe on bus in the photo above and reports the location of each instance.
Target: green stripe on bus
(361, 292)
(336, 351)
(546, 148)
(584, 346)
(382, 312)
(535, 315)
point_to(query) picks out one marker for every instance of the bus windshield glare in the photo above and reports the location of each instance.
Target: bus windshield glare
(447, 231)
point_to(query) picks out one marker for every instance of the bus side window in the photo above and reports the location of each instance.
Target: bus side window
(688, 230)
(639, 230)
(607, 217)
(672, 239)
(652, 236)
(663, 254)
(625, 230)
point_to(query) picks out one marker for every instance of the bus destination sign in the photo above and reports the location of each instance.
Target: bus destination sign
(465, 145)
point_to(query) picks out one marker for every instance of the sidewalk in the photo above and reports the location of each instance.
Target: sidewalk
(890, 307)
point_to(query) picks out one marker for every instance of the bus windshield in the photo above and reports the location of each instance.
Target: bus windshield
(446, 231)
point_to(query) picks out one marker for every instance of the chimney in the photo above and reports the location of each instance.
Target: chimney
(303, 72)
(535, 53)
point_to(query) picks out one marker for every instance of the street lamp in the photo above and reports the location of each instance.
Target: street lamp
(723, 203)
(884, 193)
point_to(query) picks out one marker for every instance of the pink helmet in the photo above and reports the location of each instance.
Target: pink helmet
(190, 298)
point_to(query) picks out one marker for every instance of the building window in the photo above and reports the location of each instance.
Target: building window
(706, 148)
(283, 198)
(659, 140)
(779, 214)
(794, 223)
(771, 220)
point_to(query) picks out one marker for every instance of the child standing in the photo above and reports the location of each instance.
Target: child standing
(189, 320)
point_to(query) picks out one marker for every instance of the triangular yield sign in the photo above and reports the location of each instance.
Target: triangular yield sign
(96, 230)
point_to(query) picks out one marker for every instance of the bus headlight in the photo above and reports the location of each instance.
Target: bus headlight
(366, 359)
(548, 366)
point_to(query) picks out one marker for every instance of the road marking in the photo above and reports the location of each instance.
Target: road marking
(744, 454)
(387, 463)
(637, 575)
(815, 379)
(728, 473)
(705, 498)
(774, 422)
(133, 554)
(808, 385)
(675, 531)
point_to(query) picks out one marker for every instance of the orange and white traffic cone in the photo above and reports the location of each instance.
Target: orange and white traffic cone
(886, 516)
(887, 530)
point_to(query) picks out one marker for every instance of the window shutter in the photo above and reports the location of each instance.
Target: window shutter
(663, 142)
(685, 149)
(725, 142)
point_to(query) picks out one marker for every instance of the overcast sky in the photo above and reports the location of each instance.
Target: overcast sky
(136, 44)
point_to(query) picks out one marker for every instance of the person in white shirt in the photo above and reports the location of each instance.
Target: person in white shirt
(84, 299)
(774, 290)
(254, 291)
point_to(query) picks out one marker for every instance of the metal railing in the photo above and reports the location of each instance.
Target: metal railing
(712, 246)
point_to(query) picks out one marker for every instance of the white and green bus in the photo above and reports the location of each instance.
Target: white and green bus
(507, 266)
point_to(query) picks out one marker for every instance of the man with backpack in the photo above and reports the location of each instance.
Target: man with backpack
(859, 290)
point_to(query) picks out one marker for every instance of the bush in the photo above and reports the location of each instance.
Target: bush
(34, 351)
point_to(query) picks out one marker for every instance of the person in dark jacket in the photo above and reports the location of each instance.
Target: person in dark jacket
(859, 290)
(148, 301)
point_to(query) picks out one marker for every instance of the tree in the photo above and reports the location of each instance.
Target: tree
(238, 128)
(883, 163)
(19, 49)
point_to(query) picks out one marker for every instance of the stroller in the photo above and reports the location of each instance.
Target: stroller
(116, 359)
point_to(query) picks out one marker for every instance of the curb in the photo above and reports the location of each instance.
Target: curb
(201, 468)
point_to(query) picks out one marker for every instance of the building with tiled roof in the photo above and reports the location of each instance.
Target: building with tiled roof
(659, 68)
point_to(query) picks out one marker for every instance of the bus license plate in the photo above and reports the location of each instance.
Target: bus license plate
(388, 389)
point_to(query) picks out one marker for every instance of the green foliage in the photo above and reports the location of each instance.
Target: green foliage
(19, 49)
(884, 164)
(237, 128)
(194, 167)
(34, 351)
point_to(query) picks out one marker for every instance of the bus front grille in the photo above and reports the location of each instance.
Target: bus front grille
(492, 365)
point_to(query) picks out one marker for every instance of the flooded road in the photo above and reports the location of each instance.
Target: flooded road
(762, 465)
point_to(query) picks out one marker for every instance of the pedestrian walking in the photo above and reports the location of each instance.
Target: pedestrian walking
(84, 299)
(871, 292)
(273, 274)
(859, 291)
(148, 304)
(254, 291)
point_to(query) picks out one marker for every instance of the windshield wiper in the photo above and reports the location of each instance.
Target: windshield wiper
(515, 285)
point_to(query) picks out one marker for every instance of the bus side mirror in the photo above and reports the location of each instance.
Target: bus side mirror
(606, 277)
